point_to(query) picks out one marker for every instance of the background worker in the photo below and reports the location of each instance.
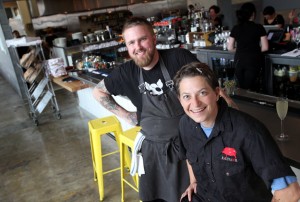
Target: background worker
(214, 16)
(16, 34)
(272, 18)
(294, 19)
(251, 41)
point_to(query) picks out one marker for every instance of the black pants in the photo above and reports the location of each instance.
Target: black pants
(248, 71)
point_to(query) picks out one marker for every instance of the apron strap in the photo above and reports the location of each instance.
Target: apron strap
(169, 82)
(141, 81)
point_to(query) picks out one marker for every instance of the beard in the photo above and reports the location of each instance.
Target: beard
(146, 59)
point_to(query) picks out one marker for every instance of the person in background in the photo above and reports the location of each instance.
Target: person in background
(294, 19)
(16, 34)
(191, 11)
(48, 42)
(50, 36)
(214, 16)
(272, 18)
(251, 41)
(231, 156)
(147, 81)
(22, 49)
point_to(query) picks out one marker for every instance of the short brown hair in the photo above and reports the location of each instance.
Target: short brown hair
(135, 21)
(196, 69)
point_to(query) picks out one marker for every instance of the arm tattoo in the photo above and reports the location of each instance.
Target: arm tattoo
(106, 99)
(101, 86)
(133, 118)
(109, 103)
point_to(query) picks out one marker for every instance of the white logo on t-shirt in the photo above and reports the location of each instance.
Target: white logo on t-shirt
(155, 88)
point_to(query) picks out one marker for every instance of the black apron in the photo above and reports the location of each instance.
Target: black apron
(166, 177)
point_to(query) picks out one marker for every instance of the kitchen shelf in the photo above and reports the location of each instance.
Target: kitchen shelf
(37, 84)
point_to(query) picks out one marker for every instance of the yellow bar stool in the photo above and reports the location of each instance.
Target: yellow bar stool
(98, 128)
(127, 141)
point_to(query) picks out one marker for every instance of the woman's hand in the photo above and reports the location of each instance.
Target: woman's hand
(189, 191)
(291, 15)
(289, 194)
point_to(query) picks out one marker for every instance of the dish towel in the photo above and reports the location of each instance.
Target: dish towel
(137, 164)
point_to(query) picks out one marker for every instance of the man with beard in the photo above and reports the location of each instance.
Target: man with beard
(146, 81)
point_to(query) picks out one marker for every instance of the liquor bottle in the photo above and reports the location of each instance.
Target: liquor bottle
(179, 33)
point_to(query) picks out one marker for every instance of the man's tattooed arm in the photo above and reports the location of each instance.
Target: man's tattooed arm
(102, 95)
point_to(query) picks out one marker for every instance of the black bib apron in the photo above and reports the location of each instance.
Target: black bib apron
(166, 177)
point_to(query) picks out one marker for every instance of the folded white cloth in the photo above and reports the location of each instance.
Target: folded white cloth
(137, 164)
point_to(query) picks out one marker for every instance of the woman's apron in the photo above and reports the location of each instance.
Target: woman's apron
(165, 176)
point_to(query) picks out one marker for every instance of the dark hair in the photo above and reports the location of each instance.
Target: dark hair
(136, 21)
(215, 8)
(245, 12)
(196, 69)
(191, 7)
(16, 34)
(269, 10)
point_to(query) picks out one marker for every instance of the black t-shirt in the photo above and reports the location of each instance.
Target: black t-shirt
(218, 21)
(277, 20)
(124, 80)
(247, 36)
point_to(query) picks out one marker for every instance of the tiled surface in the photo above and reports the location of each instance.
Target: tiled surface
(52, 161)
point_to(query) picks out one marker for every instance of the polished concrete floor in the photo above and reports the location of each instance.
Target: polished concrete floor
(51, 161)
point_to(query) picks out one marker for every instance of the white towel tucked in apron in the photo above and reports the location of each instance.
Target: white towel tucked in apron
(137, 163)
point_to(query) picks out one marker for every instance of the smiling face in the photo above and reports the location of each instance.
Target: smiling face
(140, 42)
(199, 100)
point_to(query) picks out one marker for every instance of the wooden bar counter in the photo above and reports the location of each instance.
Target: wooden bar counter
(263, 108)
(71, 86)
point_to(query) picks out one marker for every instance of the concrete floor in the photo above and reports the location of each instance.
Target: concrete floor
(51, 161)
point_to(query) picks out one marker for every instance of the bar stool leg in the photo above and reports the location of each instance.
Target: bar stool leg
(93, 156)
(122, 171)
(98, 128)
(98, 164)
(127, 141)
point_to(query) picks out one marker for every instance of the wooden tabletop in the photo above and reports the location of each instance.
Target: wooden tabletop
(71, 86)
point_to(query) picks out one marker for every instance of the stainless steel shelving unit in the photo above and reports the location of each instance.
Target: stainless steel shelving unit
(39, 90)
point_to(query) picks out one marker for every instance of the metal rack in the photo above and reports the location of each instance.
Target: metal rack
(39, 90)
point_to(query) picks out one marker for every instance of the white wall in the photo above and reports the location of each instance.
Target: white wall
(200, 3)
(71, 21)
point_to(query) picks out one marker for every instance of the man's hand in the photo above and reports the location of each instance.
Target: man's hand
(228, 99)
(289, 194)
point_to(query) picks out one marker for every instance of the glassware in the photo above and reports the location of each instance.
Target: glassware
(296, 37)
(282, 109)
